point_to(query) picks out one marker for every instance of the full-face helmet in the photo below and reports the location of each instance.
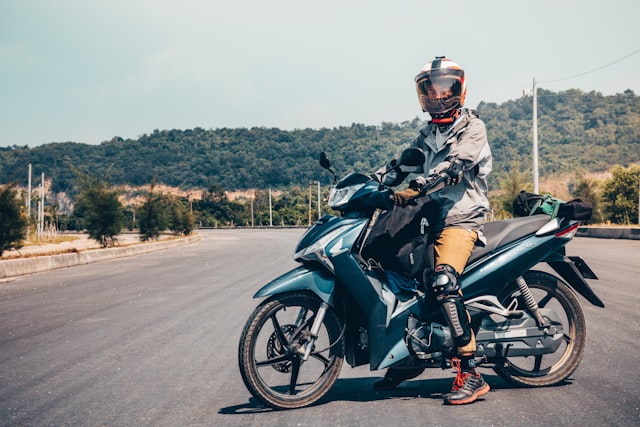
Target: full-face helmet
(441, 89)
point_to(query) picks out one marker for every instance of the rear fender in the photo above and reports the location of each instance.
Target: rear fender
(318, 281)
(574, 270)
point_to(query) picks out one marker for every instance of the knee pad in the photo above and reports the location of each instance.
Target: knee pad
(445, 281)
(446, 287)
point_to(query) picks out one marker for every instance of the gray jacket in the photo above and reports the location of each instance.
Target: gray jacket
(464, 204)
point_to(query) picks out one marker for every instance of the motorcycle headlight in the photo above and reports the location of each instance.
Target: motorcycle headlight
(339, 197)
(316, 251)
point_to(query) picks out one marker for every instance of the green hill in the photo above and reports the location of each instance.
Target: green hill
(577, 131)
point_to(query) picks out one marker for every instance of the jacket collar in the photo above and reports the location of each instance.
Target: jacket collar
(458, 126)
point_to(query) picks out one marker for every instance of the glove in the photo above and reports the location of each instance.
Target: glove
(432, 183)
(455, 171)
(447, 173)
(403, 197)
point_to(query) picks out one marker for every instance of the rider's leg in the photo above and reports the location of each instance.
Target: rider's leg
(453, 248)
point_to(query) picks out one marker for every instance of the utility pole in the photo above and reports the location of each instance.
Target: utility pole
(42, 206)
(29, 204)
(535, 138)
(253, 196)
(310, 183)
(40, 226)
(319, 210)
(270, 211)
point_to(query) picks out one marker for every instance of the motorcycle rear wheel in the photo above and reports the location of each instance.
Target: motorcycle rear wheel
(271, 365)
(549, 369)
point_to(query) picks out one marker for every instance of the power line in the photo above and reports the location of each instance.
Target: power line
(535, 113)
(594, 70)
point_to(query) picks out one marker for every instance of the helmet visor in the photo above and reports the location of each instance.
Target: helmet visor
(440, 91)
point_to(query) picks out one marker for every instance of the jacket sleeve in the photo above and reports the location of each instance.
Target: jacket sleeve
(471, 143)
(470, 147)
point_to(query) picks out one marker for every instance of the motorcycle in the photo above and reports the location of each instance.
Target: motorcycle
(337, 305)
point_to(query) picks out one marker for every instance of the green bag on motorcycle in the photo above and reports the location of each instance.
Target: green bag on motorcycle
(526, 204)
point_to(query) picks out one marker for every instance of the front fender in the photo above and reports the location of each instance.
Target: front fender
(318, 281)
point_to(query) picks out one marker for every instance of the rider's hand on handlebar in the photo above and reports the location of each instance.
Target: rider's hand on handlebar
(405, 196)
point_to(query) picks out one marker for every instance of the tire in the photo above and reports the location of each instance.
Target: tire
(274, 373)
(549, 369)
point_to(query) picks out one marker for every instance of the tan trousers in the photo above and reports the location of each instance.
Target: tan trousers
(453, 247)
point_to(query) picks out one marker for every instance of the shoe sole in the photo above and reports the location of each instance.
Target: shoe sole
(484, 390)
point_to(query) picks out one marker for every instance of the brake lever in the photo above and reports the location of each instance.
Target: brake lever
(437, 187)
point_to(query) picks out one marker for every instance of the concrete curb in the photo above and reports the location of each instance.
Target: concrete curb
(22, 266)
(630, 233)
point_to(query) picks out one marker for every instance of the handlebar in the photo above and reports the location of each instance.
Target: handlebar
(433, 184)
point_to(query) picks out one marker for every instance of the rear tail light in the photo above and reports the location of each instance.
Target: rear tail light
(570, 232)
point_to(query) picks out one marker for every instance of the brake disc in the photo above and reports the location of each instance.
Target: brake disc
(275, 348)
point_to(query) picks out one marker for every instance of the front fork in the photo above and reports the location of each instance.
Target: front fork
(306, 350)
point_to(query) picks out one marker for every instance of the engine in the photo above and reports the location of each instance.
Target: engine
(427, 341)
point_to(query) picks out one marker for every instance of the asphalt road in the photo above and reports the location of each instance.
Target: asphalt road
(152, 341)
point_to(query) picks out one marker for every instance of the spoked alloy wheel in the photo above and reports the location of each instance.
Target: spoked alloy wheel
(270, 358)
(549, 369)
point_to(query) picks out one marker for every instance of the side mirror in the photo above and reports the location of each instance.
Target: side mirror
(412, 156)
(324, 161)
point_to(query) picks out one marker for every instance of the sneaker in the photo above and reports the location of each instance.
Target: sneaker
(395, 376)
(467, 386)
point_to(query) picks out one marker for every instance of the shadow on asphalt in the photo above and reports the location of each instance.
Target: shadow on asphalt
(361, 390)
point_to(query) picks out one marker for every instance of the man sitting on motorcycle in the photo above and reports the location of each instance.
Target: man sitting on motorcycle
(457, 155)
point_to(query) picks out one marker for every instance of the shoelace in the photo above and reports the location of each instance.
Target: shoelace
(460, 380)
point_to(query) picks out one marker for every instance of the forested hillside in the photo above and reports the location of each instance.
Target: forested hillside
(577, 131)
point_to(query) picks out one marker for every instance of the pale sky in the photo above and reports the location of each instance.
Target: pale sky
(86, 71)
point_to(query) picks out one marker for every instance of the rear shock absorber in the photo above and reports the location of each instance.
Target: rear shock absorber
(529, 301)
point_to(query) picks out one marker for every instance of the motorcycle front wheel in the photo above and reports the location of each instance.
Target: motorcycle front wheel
(548, 369)
(270, 355)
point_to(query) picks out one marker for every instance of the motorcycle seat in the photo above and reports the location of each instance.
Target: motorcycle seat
(501, 233)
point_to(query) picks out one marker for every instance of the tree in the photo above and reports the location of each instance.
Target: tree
(13, 223)
(180, 218)
(587, 190)
(99, 208)
(153, 215)
(292, 208)
(214, 209)
(511, 183)
(620, 195)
